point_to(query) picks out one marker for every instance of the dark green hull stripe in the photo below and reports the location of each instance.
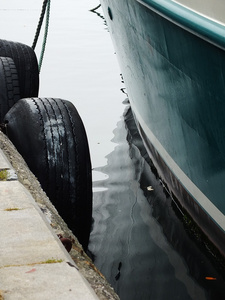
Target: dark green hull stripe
(197, 24)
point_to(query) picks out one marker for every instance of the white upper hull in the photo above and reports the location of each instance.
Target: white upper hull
(212, 9)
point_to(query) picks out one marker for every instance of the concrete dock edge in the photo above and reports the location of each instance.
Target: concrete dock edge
(34, 263)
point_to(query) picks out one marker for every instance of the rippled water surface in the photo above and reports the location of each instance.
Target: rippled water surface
(139, 240)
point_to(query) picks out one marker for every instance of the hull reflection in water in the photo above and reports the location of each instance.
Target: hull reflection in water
(139, 240)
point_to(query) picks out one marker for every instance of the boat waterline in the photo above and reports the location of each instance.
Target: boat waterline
(196, 193)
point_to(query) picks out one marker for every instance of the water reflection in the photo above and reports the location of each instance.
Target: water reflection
(139, 241)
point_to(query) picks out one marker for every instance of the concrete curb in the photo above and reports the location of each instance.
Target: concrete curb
(34, 264)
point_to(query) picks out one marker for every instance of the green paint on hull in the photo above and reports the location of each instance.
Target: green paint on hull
(176, 83)
(188, 19)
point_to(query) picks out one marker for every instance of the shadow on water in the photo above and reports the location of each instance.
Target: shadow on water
(95, 11)
(139, 241)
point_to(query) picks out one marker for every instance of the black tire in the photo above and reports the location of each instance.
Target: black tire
(25, 60)
(50, 135)
(9, 86)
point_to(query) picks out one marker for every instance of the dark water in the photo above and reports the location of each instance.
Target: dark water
(139, 240)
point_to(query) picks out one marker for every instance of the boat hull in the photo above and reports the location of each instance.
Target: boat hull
(175, 81)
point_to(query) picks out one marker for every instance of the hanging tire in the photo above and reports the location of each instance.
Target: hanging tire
(27, 67)
(9, 86)
(50, 135)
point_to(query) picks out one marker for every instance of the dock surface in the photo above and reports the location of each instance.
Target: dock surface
(33, 262)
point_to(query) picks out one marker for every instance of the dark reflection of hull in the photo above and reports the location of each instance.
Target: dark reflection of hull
(183, 238)
(143, 247)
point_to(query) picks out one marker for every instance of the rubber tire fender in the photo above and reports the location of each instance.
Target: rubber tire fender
(26, 63)
(9, 85)
(51, 137)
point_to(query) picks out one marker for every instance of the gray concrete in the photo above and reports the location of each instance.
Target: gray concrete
(33, 262)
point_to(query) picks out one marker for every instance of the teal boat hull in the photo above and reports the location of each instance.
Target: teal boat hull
(173, 65)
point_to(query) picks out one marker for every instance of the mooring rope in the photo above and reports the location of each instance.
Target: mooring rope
(46, 5)
(45, 36)
(38, 30)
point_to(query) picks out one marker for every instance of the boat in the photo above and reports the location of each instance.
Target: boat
(172, 59)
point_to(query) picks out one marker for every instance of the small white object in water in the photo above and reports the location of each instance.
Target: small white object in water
(150, 188)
